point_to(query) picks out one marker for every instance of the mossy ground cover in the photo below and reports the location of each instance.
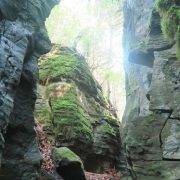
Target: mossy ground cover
(170, 23)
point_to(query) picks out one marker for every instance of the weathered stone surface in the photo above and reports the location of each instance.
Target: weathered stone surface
(74, 111)
(171, 139)
(151, 119)
(22, 40)
(35, 11)
(68, 164)
(165, 87)
(138, 56)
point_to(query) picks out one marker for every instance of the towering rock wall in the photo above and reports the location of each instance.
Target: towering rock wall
(74, 112)
(22, 40)
(151, 122)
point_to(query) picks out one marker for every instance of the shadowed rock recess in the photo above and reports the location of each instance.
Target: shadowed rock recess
(151, 122)
(23, 40)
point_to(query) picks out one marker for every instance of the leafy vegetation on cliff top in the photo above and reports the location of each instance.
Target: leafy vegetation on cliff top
(170, 23)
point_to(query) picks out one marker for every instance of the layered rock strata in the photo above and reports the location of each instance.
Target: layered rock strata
(151, 120)
(23, 40)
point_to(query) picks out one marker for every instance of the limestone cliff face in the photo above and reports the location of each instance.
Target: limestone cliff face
(151, 123)
(74, 112)
(22, 40)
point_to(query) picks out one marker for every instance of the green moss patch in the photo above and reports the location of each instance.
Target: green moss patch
(57, 67)
(43, 116)
(69, 66)
(170, 23)
(70, 119)
(63, 153)
(107, 129)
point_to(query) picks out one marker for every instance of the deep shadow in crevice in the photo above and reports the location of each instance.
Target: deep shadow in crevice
(145, 58)
(70, 170)
(166, 159)
(155, 25)
(1, 16)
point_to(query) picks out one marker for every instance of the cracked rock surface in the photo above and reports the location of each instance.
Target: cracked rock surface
(151, 119)
(23, 40)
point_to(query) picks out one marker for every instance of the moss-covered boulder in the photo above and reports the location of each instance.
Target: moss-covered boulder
(73, 110)
(63, 153)
(68, 164)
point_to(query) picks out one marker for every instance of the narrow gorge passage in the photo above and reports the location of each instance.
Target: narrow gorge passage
(89, 90)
